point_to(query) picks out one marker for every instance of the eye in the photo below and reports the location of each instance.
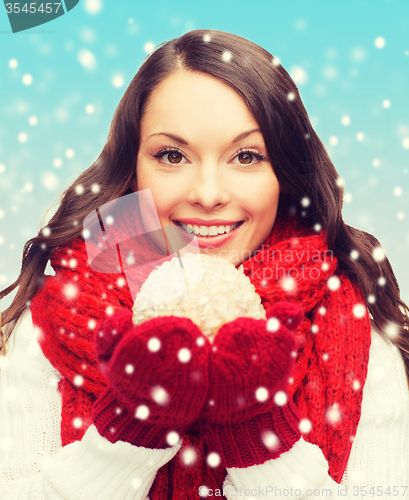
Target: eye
(247, 156)
(173, 155)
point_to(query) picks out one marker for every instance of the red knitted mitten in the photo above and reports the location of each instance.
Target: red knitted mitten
(249, 418)
(158, 379)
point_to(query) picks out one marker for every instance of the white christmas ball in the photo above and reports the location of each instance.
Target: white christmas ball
(222, 295)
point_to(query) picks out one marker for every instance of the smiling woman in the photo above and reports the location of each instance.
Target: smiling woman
(315, 398)
(215, 179)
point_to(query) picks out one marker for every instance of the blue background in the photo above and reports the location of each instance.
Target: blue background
(61, 82)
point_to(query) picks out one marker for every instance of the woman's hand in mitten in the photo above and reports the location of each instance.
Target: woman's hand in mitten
(157, 376)
(249, 417)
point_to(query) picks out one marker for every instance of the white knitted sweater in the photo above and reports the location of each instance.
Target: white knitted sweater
(33, 465)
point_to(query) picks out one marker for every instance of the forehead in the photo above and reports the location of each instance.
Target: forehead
(196, 104)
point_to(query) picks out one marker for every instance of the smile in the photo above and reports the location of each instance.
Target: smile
(208, 231)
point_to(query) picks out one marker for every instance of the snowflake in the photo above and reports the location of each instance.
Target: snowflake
(136, 483)
(77, 423)
(70, 291)
(227, 56)
(356, 385)
(261, 394)
(334, 283)
(129, 369)
(273, 324)
(270, 440)
(159, 395)
(333, 414)
(200, 341)
(359, 310)
(288, 284)
(189, 456)
(378, 254)
(142, 412)
(382, 281)
(305, 426)
(280, 398)
(184, 355)
(213, 459)
(392, 330)
(154, 344)
(172, 438)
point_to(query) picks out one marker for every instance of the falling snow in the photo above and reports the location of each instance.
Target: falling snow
(184, 355)
(273, 324)
(333, 283)
(380, 42)
(189, 456)
(382, 281)
(93, 6)
(213, 459)
(359, 310)
(378, 254)
(77, 423)
(70, 291)
(159, 395)
(288, 284)
(172, 438)
(333, 414)
(270, 440)
(261, 394)
(27, 79)
(346, 120)
(305, 426)
(142, 412)
(280, 398)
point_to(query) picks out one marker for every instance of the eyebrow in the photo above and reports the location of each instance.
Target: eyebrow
(182, 141)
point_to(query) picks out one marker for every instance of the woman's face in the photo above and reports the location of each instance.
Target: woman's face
(206, 165)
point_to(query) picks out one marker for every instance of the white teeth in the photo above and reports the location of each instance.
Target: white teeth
(208, 230)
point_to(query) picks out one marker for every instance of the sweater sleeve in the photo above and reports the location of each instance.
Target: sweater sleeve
(33, 465)
(378, 466)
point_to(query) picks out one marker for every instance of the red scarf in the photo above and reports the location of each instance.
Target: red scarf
(294, 265)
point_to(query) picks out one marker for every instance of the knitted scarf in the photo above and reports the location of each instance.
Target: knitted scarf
(294, 264)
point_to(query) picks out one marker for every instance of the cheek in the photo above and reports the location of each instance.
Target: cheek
(263, 200)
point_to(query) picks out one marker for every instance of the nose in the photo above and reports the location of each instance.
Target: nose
(210, 187)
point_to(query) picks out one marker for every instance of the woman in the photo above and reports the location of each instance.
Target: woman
(215, 128)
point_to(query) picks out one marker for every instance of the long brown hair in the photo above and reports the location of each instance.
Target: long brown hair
(301, 164)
